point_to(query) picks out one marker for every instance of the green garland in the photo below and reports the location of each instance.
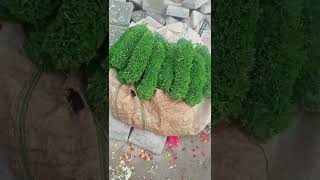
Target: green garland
(148, 84)
(182, 70)
(176, 68)
(198, 80)
(139, 60)
(121, 50)
(204, 52)
(166, 74)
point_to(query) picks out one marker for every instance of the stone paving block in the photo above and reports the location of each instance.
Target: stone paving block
(186, 21)
(152, 24)
(120, 13)
(193, 4)
(155, 6)
(148, 140)
(137, 3)
(206, 8)
(177, 11)
(196, 19)
(171, 20)
(118, 130)
(158, 17)
(171, 2)
(178, 27)
(114, 33)
(138, 15)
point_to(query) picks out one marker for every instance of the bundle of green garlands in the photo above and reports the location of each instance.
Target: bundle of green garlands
(148, 61)
(64, 36)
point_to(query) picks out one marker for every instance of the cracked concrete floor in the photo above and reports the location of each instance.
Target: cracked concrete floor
(190, 161)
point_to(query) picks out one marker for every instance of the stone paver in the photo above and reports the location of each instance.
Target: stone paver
(155, 6)
(172, 2)
(138, 15)
(177, 11)
(137, 3)
(206, 8)
(147, 140)
(158, 17)
(171, 20)
(151, 23)
(114, 33)
(120, 13)
(196, 19)
(193, 4)
(118, 130)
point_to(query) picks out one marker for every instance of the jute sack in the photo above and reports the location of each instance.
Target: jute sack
(160, 114)
(47, 140)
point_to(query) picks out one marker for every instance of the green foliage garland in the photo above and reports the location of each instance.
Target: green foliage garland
(139, 60)
(149, 80)
(198, 80)
(166, 74)
(121, 50)
(204, 52)
(182, 70)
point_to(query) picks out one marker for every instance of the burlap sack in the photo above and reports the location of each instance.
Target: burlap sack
(160, 114)
(46, 139)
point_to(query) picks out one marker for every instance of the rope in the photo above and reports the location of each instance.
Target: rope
(25, 96)
(115, 100)
(143, 116)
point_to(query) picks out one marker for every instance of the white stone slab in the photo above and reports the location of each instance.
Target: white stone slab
(114, 33)
(148, 140)
(158, 17)
(155, 6)
(193, 4)
(120, 13)
(196, 19)
(118, 130)
(171, 20)
(177, 11)
(138, 15)
(206, 8)
(137, 3)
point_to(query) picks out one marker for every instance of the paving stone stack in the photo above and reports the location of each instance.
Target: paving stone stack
(120, 13)
(158, 14)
